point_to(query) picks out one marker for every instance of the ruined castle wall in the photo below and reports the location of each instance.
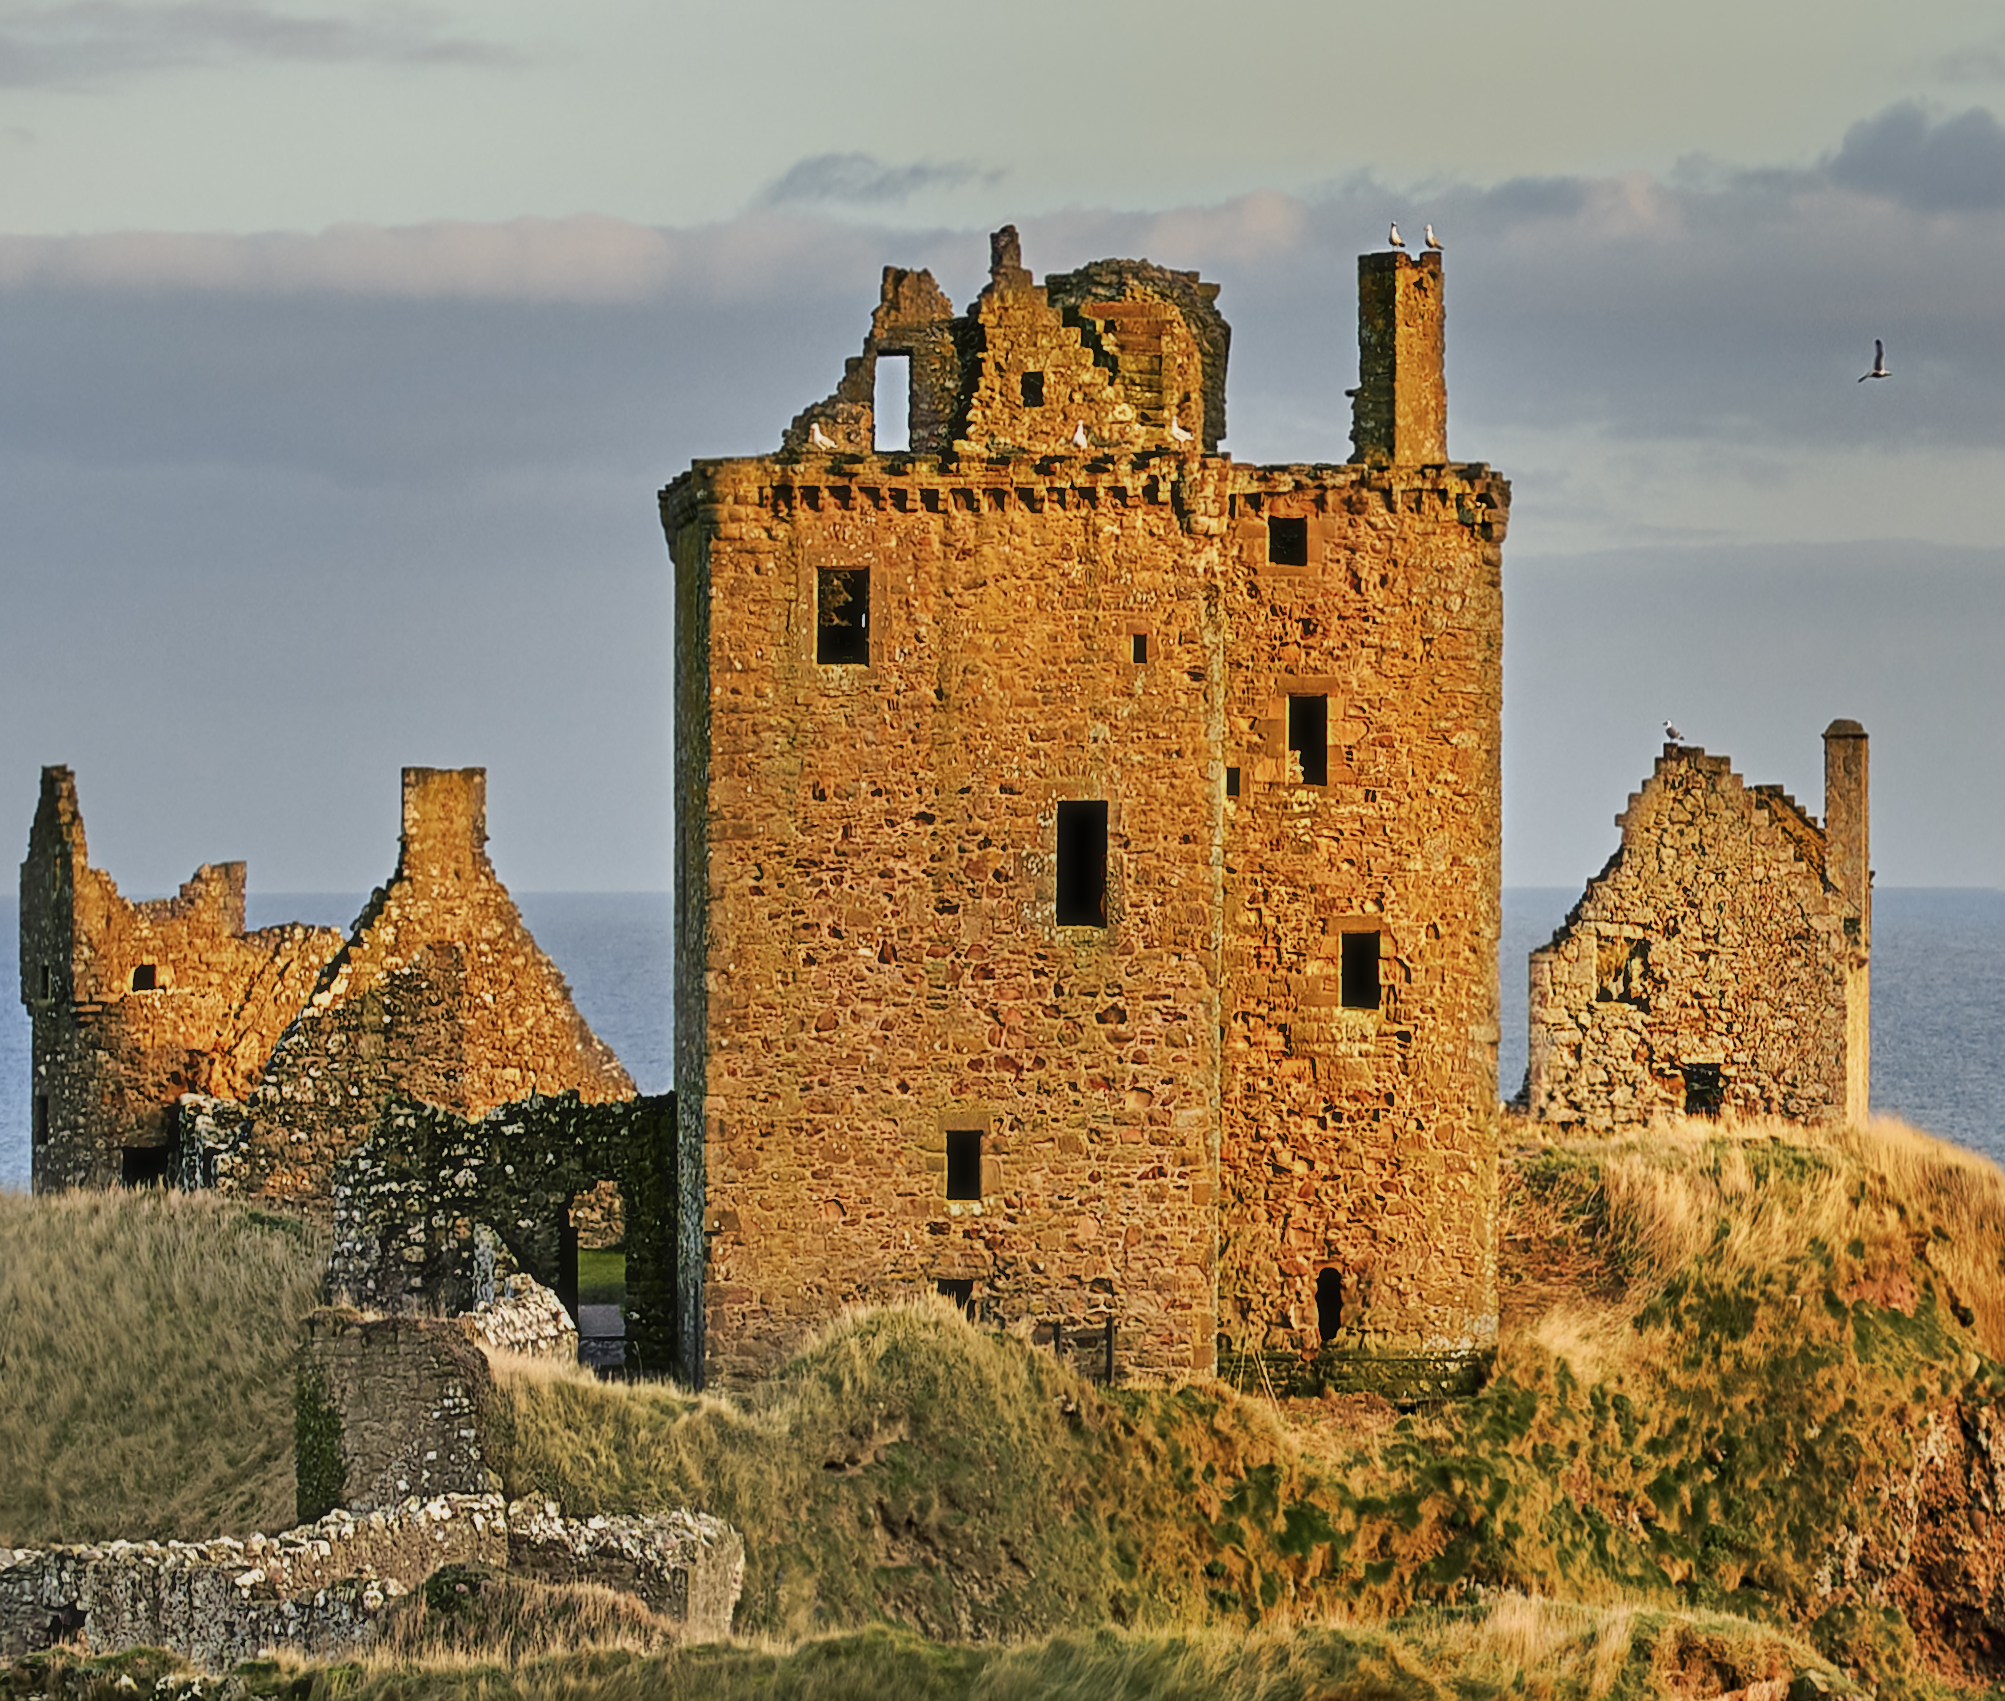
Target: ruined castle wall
(1359, 1136)
(439, 994)
(870, 907)
(1713, 948)
(133, 1004)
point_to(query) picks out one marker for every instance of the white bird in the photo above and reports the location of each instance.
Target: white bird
(1433, 241)
(1879, 362)
(1177, 432)
(1079, 439)
(818, 438)
(1395, 239)
(1673, 734)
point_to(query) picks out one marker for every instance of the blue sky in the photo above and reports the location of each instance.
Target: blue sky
(346, 346)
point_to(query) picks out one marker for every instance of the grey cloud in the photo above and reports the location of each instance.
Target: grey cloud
(1983, 63)
(89, 40)
(1952, 165)
(855, 179)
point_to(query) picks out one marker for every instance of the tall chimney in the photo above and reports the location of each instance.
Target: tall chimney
(1846, 853)
(1399, 411)
(445, 824)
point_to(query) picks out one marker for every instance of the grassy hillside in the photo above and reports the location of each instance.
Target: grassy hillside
(146, 1365)
(1750, 1370)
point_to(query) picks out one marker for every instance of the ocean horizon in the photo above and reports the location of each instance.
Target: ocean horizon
(1938, 1058)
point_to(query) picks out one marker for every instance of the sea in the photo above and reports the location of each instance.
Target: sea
(1938, 996)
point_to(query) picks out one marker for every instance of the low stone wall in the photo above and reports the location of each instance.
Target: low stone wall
(321, 1590)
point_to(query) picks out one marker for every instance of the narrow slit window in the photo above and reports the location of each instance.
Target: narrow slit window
(961, 1290)
(1231, 782)
(1288, 540)
(1082, 864)
(145, 978)
(1329, 1305)
(1705, 1090)
(1033, 389)
(891, 405)
(964, 1163)
(842, 616)
(1309, 737)
(41, 1119)
(1360, 971)
(1141, 648)
(48, 981)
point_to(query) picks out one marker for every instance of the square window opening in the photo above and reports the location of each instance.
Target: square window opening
(145, 1166)
(1141, 648)
(1360, 971)
(964, 1163)
(842, 616)
(1705, 1089)
(1082, 864)
(960, 1289)
(1309, 737)
(891, 404)
(41, 1119)
(1231, 782)
(1288, 540)
(145, 978)
(1033, 389)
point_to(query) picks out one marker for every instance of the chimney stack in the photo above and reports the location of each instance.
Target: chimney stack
(1846, 852)
(445, 823)
(1399, 411)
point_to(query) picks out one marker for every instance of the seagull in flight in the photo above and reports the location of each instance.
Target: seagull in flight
(818, 438)
(1433, 241)
(1673, 734)
(1395, 239)
(1079, 438)
(1879, 362)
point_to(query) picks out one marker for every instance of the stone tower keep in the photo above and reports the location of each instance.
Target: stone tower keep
(1088, 850)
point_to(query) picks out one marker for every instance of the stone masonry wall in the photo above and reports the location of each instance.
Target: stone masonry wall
(438, 994)
(1713, 964)
(133, 1004)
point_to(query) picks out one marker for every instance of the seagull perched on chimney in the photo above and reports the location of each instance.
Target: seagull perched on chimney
(1879, 362)
(1395, 239)
(1433, 241)
(818, 438)
(1673, 734)
(1177, 432)
(1079, 438)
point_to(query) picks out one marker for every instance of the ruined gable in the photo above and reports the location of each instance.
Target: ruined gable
(1720, 962)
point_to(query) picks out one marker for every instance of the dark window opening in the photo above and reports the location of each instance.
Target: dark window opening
(842, 616)
(1231, 782)
(1309, 737)
(1705, 1091)
(145, 1166)
(1288, 540)
(48, 982)
(1329, 1305)
(1360, 971)
(145, 978)
(964, 1163)
(961, 1290)
(1033, 389)
(41, 1119)
(1082, 865)
(891, 405)
(1141, 648)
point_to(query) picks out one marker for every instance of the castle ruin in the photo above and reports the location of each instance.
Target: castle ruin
(1721, 961)
(1088, 849)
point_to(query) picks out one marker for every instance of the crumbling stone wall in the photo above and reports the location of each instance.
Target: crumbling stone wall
(133, 1004)
(409, 1202)
(1179, 1131)
(439, 994)
(1720, 961)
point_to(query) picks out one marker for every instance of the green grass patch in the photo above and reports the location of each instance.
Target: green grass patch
(602, 1276)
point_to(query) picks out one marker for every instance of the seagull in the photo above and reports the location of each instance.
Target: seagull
(1177, 432)
(818, 438)
(1079, 439)
(1433, 241)
(1395, 239)
(1673, 734)
(1879, 362)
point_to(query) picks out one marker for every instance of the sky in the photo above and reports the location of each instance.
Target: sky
(346, 346)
